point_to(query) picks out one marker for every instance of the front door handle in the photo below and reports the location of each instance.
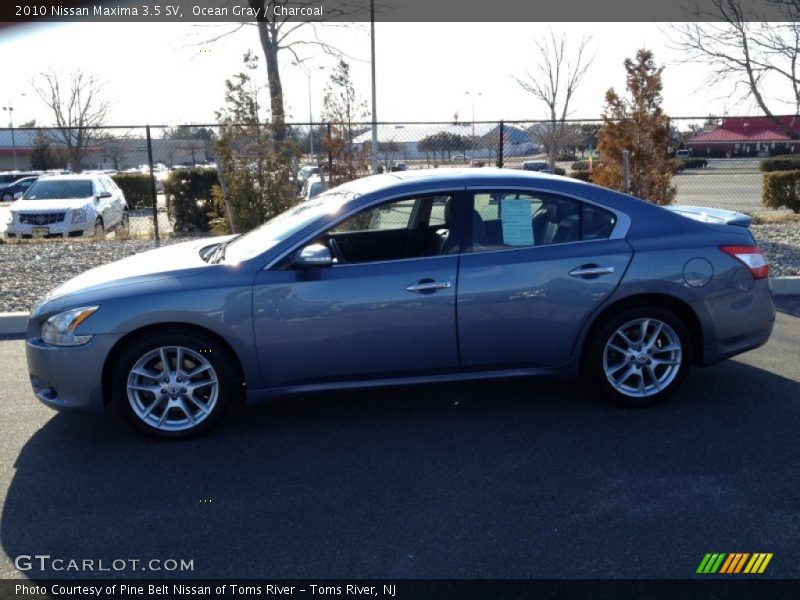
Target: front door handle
(591, 271)
(428, 286)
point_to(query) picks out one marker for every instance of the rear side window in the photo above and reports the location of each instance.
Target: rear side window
(504, 220)
(60, 189)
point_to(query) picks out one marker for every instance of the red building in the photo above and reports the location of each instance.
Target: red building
(747, 136)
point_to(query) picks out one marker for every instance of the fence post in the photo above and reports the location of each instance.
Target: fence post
(330, 156)
(626, 171)
(501, 149)
(153, 194)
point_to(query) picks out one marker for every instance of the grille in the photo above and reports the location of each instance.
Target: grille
(41, 218)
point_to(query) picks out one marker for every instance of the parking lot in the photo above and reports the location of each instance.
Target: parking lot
(512, 479)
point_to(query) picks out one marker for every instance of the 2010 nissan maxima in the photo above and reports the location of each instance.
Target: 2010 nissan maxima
(410, 277)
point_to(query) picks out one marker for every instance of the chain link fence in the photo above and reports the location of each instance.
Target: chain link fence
(715, 168)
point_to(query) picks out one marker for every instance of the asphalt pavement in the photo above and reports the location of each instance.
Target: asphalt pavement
(511, 479)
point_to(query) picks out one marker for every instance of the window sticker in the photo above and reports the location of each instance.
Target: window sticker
(516, 221)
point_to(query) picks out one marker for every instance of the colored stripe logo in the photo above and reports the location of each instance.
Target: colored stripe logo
(733, 563)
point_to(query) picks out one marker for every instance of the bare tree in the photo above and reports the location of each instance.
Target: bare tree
(747, 53)
(279, 34)
(78, 109)
(557, 73)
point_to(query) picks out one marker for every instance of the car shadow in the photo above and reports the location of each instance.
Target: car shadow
(522, 478)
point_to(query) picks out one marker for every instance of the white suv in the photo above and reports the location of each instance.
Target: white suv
(69, 206)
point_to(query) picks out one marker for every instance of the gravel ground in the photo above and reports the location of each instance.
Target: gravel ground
(28, 270)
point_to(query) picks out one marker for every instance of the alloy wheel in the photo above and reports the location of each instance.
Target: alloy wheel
(642, 357)
(172, 388)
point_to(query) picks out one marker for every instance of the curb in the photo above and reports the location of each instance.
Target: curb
(16, 323)
(785, 286)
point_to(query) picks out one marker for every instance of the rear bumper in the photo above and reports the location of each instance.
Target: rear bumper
(741, 321)
(69, 379)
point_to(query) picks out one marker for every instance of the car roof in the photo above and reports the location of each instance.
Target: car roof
(450, 176)
(70, 177)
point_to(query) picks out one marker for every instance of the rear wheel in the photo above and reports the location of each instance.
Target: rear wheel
(124, 224)
(99, 232)
(640, 356)
(7, 197)
(174, 385)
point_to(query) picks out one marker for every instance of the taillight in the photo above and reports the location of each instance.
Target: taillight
(751, 257)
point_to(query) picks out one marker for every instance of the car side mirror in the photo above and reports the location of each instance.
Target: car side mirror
(18, 195)
(103, 195)
(313, 255)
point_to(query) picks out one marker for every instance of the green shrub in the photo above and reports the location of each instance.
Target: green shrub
(677, 165)
(190, 198)
(695, 163)
(780, 163)
(136, 187)
(583, 175)
(781, 189)
(559, 171)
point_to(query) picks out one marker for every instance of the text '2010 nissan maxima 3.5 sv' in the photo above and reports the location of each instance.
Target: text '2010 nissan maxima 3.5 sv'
(410, 277)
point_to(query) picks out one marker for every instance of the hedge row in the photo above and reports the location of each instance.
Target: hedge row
(136, 187)
(189, 198)
(781, 189)
(780, 163)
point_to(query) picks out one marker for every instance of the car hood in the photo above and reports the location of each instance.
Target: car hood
(169, 261)
(49, 205)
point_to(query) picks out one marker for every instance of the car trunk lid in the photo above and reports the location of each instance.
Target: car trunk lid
(716, 216)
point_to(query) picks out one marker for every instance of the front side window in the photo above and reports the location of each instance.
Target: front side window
(400, 229)
(510, 219)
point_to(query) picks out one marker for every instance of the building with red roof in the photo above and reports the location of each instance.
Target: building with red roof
(748, 136)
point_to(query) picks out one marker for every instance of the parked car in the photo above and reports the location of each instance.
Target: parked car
(68, 206)
(683, 153)
(304, 173)
(359, 286)
(9, 177)
(540, 166)
(16, 189)
(313, 186)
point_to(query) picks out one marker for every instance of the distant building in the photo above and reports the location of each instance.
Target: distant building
(404, 140)
(112, 153)
(747, 136)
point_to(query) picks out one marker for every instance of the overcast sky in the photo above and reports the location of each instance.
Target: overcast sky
(160, 73)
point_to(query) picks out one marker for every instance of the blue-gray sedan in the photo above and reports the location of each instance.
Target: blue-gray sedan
(410, 277)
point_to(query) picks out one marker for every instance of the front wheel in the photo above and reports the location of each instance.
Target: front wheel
(7, 197)
(174, 385)
(640, 356)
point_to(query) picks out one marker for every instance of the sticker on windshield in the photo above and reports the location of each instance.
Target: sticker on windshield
(516, 221)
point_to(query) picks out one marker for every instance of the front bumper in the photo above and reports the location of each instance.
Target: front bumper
(54, 230)
(69, 378)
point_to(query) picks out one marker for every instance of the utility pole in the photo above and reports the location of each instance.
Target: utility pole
(10, 110)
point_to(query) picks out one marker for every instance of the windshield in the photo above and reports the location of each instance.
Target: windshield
(285, 225)
(64, 189)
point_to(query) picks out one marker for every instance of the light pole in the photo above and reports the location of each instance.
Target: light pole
(473, 95)
(310, 108)
(374, 94)
(10, 110)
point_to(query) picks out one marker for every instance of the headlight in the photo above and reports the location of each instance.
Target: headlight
(79, 216)
(59, 330)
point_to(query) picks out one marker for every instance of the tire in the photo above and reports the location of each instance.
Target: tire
(175, 405)
(640, 370)
(7, 197)
(124, 225)
(98, 232)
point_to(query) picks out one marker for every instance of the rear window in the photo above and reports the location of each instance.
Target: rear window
(59, 189)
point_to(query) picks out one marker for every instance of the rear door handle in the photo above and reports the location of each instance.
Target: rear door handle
(428, 286)
(591, 271)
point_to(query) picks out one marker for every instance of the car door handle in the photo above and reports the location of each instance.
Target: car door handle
(428, 286)
(591, 271)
